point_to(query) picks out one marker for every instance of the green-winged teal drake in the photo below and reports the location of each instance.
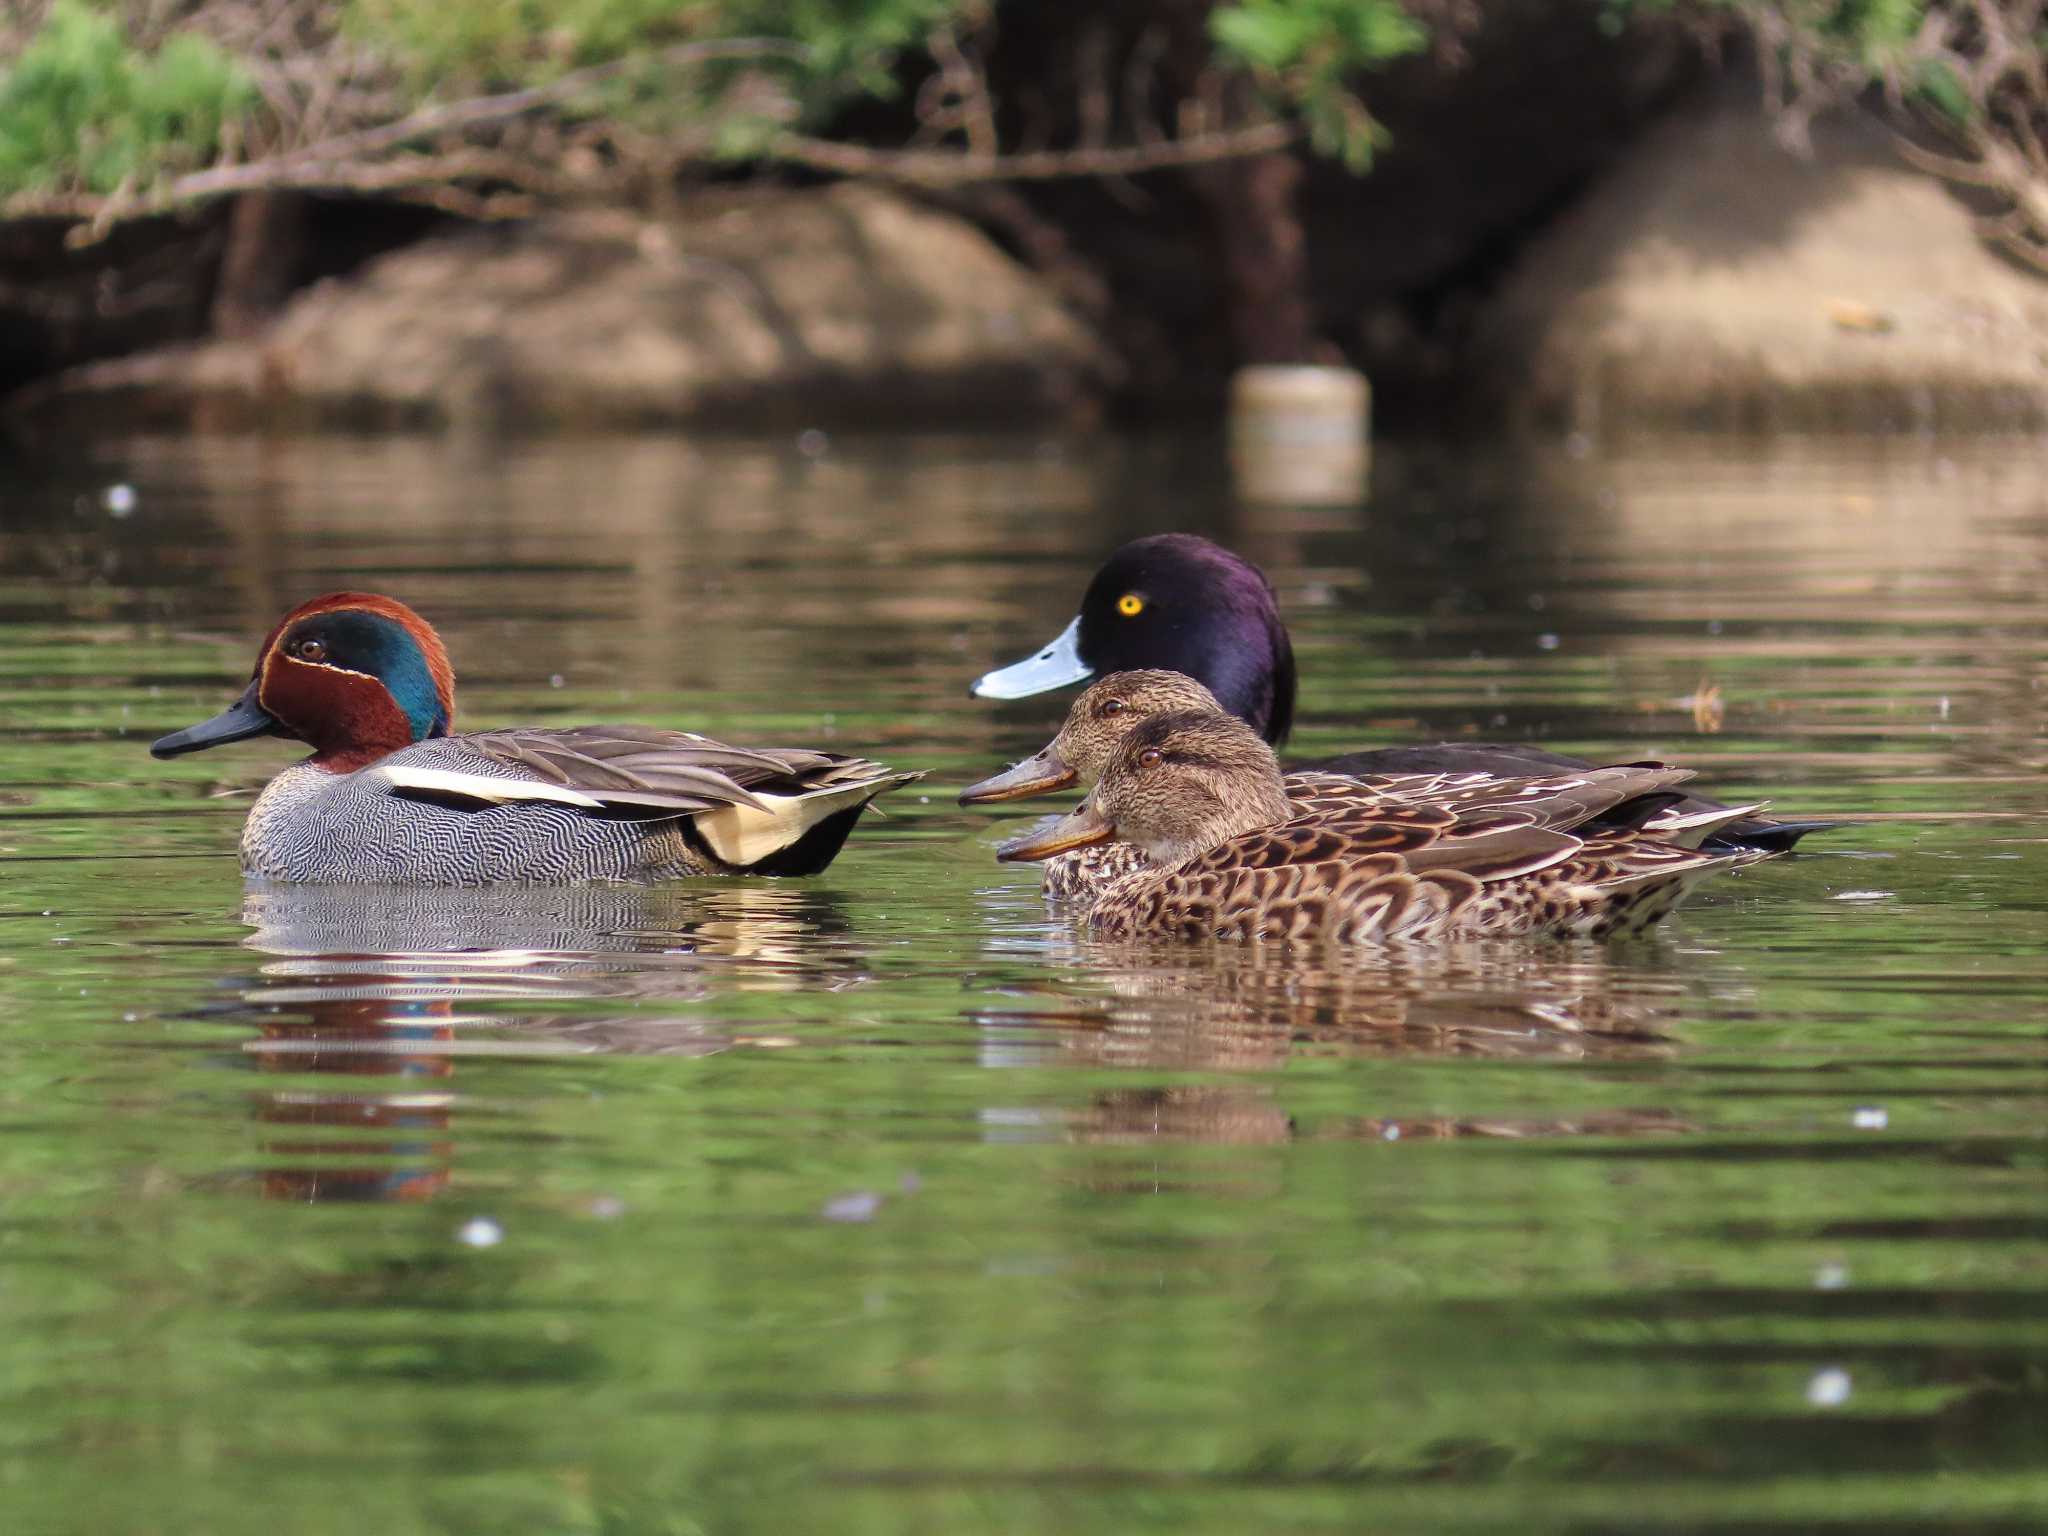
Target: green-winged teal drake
(389, 795)
(1185, 604)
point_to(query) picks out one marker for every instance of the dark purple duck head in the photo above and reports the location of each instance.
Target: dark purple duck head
(1178, 603)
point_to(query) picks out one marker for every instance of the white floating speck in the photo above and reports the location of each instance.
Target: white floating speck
(1831, 1277)
(556, 681)
(1546, 642)
(861, 1205)
(1391, 1133)
(1870, 1117)
(480, 1232)
(118, 499)
(607, 1207)
(1862, 896)
(812, 443)
(1829, 1388)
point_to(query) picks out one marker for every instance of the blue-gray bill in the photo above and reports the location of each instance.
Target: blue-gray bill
(238, 722)
(1057, 666)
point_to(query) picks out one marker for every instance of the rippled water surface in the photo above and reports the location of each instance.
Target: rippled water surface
(879, 1202)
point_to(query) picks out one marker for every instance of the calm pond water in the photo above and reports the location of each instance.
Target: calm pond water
(880, 1203)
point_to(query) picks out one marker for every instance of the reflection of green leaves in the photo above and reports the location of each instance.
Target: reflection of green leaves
(1310, 51)
(79, 107)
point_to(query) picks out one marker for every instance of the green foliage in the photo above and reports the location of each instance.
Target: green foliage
(1940, 87)
(82, 109)
(1310, 51)
(847, 46)
(1866, 41)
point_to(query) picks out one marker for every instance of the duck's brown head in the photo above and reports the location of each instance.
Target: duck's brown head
(1177, 786)
(1100, 722)
(354, 675)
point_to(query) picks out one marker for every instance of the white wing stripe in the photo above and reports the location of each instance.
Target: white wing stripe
(482, 786)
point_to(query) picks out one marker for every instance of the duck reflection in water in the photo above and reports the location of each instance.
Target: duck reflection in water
(1175, 1009)
(405, 984)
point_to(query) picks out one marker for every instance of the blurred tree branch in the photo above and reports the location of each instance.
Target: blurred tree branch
(1964, 83)
(317, 98)
(947, 168)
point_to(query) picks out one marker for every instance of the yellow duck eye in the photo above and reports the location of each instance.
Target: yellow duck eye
(1130, 605)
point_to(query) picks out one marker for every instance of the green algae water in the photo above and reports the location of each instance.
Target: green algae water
(879, 1202)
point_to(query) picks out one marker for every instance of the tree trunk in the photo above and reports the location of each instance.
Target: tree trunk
(265, 255)
(1263, 251)
(1255, 227)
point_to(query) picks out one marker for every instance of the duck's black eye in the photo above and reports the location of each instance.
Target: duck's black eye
(1151, 757)
(1112, 707)
(310, 650)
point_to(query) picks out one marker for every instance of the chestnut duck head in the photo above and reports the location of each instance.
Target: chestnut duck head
(354, 675)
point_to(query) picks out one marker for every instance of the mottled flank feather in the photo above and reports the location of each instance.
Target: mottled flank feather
(1364, 875)
(1421, 858)
(1112, 710)
(1088, 872)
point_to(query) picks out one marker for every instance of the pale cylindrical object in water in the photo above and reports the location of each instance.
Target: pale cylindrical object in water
(1301, 433)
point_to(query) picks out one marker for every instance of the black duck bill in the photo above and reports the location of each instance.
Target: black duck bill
(1080, 828)
(238, 722)
(1039, 775)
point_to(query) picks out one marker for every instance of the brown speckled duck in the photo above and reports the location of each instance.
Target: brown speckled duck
(1105, 716)
(1231, 856)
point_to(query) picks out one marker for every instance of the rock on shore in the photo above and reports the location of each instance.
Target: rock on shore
(848, 305)
(1715, 280)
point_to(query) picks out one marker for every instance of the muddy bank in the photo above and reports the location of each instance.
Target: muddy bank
(835, 306)
(1717, 281)
(1707, 279)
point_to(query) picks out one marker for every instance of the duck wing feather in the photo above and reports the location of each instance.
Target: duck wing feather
(639, 768)
(1408, 859)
